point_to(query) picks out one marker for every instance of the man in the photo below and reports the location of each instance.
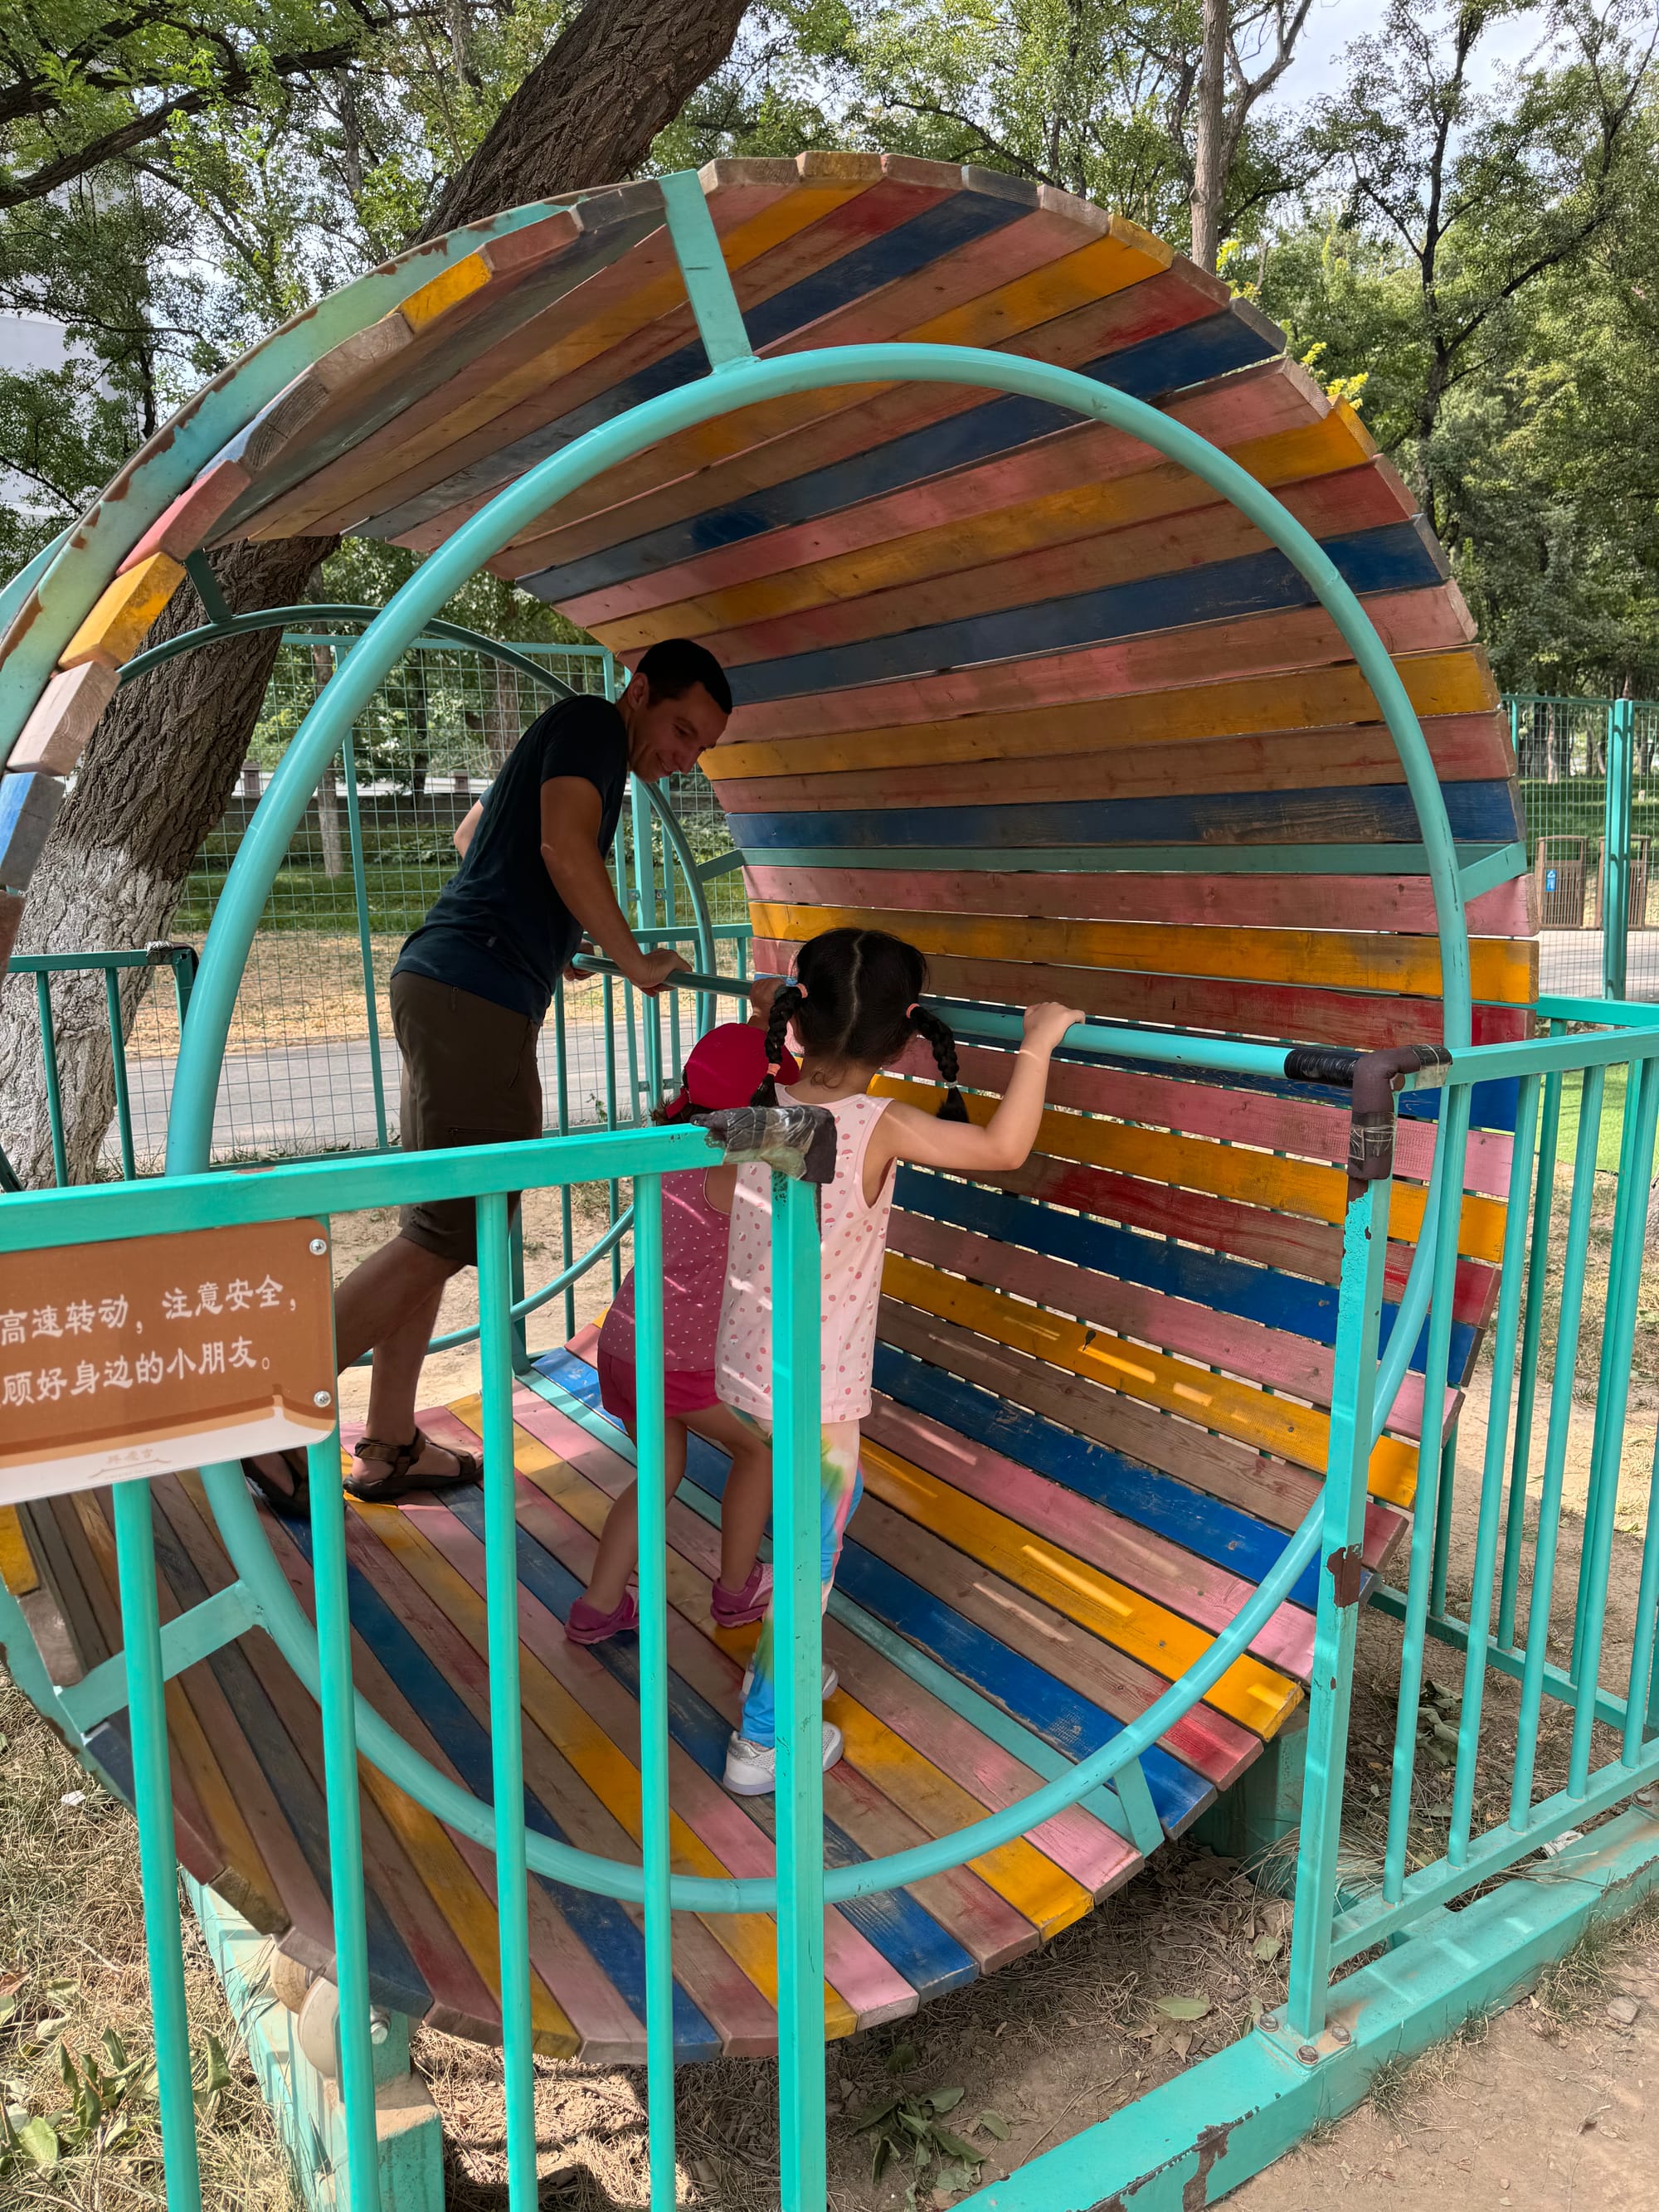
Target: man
(469, 994)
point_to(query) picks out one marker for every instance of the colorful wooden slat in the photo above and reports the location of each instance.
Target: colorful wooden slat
(1066, 488)
(64, 717)
(1463, 750)
(903, 226)
(1290, 1014)
(193, 516)
(1091, 1853)
(1167, 330)
(1407, 623)
(1277, 1117)
(1401, 903)
(29, 805)
(626, 304)
(126, 608)
(1352, 960)
(17, 1568)
(428, 367)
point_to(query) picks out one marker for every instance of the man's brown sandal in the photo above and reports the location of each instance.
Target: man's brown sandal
(400, 1479)
(292, 1503)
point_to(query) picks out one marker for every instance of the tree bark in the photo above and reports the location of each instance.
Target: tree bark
(1209, 176)
(328, 788)
(157, 775)
(159, 769)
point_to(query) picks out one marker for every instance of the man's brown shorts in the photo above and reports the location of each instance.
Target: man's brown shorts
(470, 1077)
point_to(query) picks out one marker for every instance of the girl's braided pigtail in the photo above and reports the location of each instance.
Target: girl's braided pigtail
(784, 1009)
(937, 1033)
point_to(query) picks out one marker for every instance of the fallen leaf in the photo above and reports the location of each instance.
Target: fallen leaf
(1266, 1948)
(1184, 2007)
(40, 2139)
(945, 2100)
(992, 2123)
(902, 2059)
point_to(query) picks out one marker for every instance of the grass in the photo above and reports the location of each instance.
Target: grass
(72, 1972)
(1612, 1118)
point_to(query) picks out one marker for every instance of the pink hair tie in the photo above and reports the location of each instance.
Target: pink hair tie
(911, 1011)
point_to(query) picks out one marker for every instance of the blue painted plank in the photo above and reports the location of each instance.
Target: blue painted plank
(397, 1981)
(1198, 351)
(1267, 1295)
(904, 1932)
(1047, 1706)
(1383, 813)
(1206, 1525)
(896, 253)
(1395, 558)
(603, 1925)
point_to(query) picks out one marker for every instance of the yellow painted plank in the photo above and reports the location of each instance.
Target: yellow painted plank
(118, 624)
(1317, 1192)
(1332, 959)
(447, 290)
(1458, 682)
(1254, 1416)
(17, 1568)
(1082, 510)
(748, 1939)
(1018, 1872)
(1249, 1691)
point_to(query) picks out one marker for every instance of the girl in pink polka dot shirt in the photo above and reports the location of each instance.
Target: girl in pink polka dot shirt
(854, 1005)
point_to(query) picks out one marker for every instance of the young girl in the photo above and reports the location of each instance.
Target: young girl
(721, 1070)
(854, 1005)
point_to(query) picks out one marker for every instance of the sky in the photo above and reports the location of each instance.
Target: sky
(1317, 68)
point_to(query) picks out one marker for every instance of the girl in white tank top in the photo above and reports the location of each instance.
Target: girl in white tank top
(854, 1003)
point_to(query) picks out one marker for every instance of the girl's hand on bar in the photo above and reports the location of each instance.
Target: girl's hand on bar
(1047, 1024)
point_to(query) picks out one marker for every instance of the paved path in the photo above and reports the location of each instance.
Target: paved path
(1570, 963)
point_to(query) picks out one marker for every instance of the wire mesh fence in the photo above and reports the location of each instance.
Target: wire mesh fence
(1562, 749)
(310, 1064)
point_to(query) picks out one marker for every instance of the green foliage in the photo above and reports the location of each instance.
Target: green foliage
(906, 2128)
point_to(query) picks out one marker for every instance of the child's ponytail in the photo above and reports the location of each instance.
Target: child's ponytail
(937, 1033)
(785, 1006)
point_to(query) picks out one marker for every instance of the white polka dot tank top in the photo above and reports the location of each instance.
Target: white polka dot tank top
(854, 1237)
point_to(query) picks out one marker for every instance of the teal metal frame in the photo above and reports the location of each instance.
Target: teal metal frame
(1333, 2031)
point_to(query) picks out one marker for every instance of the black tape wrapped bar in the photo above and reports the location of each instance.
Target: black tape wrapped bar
(1372, 1079)
(798, 1141)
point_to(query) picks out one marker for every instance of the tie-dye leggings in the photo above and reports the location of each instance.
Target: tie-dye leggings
(840, 1488)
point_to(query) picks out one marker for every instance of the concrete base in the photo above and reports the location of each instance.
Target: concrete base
(305, 2102)
(1192, 2141)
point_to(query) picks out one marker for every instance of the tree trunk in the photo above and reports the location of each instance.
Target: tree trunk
(1209, 172)
(157, 773)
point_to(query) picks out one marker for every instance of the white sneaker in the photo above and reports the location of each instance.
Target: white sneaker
(751, 1769)
(831, 1681)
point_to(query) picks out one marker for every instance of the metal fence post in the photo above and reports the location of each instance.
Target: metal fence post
(1616, 904)
(1353, 1390)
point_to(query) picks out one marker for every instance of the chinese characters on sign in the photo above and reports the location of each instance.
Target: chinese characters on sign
(162, 1353)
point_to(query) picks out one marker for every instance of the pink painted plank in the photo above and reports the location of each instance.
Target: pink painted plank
(1465, 749)
(1201, 1592)
(853, 1966)
(65, 716)
(189, 521)
(1426, 621)
(1211, 1110)
(1086, 1849)
(611, 2033)
(639, 495)
(1256, 403)
(1283, 1012)
(1405, 903)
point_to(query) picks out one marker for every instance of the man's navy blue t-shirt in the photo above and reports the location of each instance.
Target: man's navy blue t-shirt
(498, 928)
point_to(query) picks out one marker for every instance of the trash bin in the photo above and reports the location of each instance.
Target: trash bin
(1640, 852)
(1559, 869)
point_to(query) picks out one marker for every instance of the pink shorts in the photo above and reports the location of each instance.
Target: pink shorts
(689, 1390)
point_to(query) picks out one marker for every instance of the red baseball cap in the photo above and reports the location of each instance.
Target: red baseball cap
(726, 1067)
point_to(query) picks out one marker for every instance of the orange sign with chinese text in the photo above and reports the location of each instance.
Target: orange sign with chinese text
(158, 1353)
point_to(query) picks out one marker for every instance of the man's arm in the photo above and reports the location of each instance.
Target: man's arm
(571, 815)
(467, 824)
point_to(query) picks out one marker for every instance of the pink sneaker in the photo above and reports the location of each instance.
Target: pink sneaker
(587, 1624)
(735, 1609)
